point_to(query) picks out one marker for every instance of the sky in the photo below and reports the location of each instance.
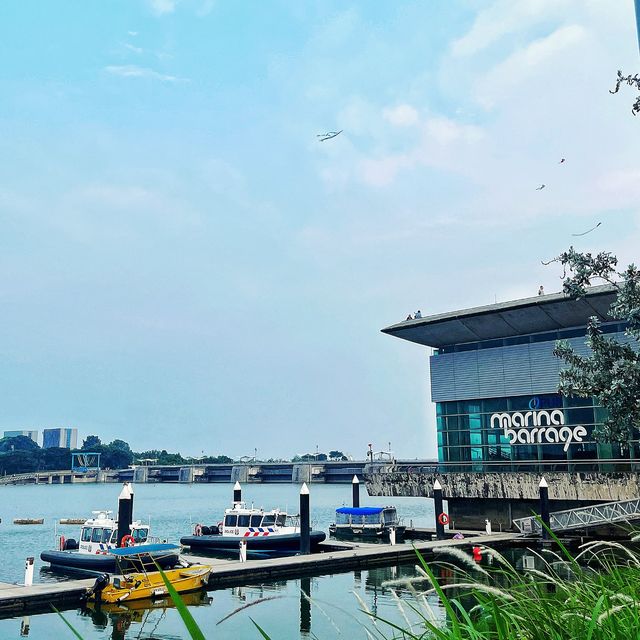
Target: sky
(183, 265)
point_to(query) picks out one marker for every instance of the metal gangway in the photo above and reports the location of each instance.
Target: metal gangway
(582, 517)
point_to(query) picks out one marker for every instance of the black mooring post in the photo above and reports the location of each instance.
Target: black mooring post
(305, 528)
(237, 493)
(355, 491)
(439, 513)
(124, 513)
(543, 488)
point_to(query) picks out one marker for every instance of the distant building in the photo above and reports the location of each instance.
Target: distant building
(66, 438)
(28, 433)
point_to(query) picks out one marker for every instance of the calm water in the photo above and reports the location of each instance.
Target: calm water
(334, 612)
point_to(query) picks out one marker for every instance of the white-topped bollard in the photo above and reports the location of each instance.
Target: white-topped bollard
(243, 550)
(28, 571)
(392, 536)
(487, 527)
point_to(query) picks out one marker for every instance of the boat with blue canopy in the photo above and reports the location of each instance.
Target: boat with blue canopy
(374, 523)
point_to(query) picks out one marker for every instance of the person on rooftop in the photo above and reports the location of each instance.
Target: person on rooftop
(541, 291)
(418, 314)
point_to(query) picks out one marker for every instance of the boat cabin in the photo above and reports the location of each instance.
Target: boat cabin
(101, 533)
(242, 520)
(366, 521)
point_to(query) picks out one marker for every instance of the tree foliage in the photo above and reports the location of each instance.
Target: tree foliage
(632, 81)
(90, 442)
(611, 373)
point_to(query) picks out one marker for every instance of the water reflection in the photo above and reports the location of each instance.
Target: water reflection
(149, 614)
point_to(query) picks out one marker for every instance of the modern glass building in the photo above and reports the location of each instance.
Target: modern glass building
(29, 433)
(66, 438)
(494, 381)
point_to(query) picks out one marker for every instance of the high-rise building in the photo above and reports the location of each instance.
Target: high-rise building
(61, 437)
(33, 434)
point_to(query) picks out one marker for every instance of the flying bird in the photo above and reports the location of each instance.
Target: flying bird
(589, 231)
(541, 187)
(327, 136)
(561, 161)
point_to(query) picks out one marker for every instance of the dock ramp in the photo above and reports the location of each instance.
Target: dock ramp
(582, 517)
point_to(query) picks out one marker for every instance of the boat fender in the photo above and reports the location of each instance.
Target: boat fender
(214, 530)
(62, 543)
(197, 530)
(127, 541)
(70, 545)
(205, 531)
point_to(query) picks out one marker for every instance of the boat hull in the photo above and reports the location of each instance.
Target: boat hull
(365, 533)
(142, 586)
(97, 562)
(261, 544)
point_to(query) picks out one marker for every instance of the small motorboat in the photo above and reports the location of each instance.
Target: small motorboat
(374, 523)
(267, 533)
(140, 579)
(98, 536)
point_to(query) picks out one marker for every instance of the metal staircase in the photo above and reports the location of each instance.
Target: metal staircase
(582, 517)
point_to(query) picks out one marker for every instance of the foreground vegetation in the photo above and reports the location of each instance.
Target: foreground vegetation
(593, 595)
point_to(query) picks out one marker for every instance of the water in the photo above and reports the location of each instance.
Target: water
(173, 510)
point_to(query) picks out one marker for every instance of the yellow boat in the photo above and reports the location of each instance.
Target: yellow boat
(139, 582)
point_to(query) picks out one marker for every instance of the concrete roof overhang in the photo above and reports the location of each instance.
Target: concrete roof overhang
(504, 319)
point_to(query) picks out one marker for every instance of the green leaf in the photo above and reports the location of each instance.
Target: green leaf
(263, 633)
(75, 633)
(187, 618)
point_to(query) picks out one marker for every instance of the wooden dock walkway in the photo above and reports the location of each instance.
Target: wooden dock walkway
(63, 595)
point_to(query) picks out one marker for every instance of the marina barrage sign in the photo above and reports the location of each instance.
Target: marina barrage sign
(542, 427)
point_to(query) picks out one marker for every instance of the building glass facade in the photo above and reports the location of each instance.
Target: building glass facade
(470, 432)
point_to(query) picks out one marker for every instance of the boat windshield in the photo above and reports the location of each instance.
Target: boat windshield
(281, 519)
(100, 535)
(255, 520)
(268, 521)
(243, 520)
(390, 516)
(231, 521)
(140, 535)
(86, 534)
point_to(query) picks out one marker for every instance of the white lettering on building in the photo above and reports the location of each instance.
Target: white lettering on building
(537, 427)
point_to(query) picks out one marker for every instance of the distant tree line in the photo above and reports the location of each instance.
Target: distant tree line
(20, 454)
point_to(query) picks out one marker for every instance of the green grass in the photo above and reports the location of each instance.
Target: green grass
(594, 595)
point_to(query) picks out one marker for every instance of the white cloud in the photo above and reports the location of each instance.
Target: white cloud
(133, 71)
(132, 33)
(161, 7)
(403, 115)
(131, 47)
(541, 54)
(505, 17)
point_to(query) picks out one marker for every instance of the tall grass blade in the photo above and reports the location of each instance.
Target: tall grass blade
(185, 614)
(75, 633)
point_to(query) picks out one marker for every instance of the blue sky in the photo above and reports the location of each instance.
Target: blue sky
(184, 266)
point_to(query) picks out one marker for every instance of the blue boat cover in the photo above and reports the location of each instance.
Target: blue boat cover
(360, 511)
(142, 549)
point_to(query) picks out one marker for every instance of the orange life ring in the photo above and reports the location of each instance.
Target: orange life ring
(197, 530)
(62, 541)
(443, 519)
(127, 541)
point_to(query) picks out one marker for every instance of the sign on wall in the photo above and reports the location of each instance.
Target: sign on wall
(538, 427)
